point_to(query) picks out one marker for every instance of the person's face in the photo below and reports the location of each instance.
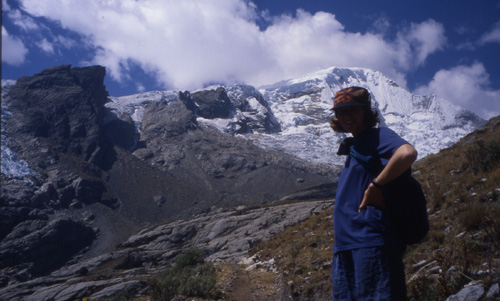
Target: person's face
(351, 119)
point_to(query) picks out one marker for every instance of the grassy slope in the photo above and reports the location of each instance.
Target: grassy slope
(462, 184)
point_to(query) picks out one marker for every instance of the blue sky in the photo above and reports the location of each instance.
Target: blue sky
(448, 47)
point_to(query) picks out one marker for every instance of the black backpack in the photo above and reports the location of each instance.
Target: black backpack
(405, 201)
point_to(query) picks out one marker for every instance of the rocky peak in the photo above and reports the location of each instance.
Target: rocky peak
(213, 103)
(58, 110)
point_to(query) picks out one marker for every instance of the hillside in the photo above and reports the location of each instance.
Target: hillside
(462, 184)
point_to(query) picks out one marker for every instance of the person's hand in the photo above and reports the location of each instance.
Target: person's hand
(372, 196)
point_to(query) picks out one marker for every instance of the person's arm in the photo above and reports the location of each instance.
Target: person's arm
(401, 160)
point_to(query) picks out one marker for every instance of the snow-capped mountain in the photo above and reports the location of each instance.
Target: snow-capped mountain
(292, 115)
(297, 113)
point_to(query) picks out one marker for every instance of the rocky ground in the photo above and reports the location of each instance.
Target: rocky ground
(225, 235)
(92, 180)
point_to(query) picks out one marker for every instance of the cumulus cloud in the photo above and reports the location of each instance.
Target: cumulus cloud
(428, 38)
(13, 49)
(188, 44)
(419, 41)
(466, 86)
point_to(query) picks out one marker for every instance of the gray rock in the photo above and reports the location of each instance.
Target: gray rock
(61, 109)
(43, 246)
(166, 120)
(75, 289)
(224, 234)
(213, 103)
(471, 292)
(77, 268)
(124, 287)
(493, 291)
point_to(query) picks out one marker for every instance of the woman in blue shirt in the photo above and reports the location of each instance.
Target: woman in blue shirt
(367, 262)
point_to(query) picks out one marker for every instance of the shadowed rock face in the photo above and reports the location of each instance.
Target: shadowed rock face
(60, 109)
(96, 182)
(55, 126)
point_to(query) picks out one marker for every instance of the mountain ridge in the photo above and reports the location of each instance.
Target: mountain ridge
(293, 113)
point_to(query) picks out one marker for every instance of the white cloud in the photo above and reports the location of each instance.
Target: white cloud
(466, 86)
(46, 46)
(24, 22)
(421, 40)
(65, 42)
(493, 36)
(13, 49)
(140, 87)
(186, 44)
(5, 6)
(381, 25)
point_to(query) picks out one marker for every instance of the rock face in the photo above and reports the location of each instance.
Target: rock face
(91, 176)
(62, 109)
(39, 246)
(55, 125)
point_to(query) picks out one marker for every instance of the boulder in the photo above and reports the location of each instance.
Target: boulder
(471, 292)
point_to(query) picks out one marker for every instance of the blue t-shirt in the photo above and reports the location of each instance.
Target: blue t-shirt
(371, 227)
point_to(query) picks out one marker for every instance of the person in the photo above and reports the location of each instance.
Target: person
(367, 261)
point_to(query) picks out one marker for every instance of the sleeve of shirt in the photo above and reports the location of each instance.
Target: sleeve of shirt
(389, 142)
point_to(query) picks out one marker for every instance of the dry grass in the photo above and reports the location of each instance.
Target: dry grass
(464, 205)
(237, 282)
(303, 253)
(462, 245)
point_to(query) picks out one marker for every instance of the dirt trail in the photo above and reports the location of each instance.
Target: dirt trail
(242, 286)
(253, 285)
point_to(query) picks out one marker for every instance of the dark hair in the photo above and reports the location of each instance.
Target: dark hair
(371, 120)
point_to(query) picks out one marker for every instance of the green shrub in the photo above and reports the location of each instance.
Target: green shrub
(192, 257)
(191, 276)
(122, 296)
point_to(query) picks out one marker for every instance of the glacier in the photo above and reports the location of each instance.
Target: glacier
(302, 108)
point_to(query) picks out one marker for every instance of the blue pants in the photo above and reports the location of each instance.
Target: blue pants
(375, 273)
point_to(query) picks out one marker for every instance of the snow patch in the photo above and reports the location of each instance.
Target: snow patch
(11, 165)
